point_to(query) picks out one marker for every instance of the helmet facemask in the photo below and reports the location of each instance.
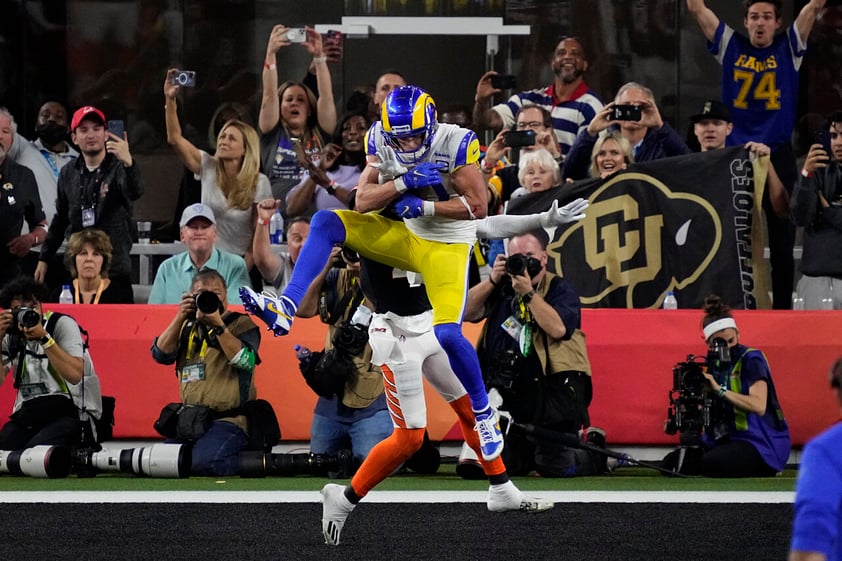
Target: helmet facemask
(406, 112)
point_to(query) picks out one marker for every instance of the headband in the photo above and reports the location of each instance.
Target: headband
(718, 325)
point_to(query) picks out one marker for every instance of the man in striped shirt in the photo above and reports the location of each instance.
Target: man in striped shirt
(568, 99)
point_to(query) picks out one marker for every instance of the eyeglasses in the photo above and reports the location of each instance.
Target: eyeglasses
(530, 125)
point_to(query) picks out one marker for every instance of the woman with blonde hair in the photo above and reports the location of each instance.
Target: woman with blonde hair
(611, 153)
(88, 257)
(231, 180)
(291, 114)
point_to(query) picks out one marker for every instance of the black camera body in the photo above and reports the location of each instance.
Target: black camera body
(350, 338)
(516, 264)
(694, 408)
(23, 316)
(208, 302)
(626, 112)
(502, 370)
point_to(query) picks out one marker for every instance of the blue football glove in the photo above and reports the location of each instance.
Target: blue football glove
(409, 206)
(425, 174)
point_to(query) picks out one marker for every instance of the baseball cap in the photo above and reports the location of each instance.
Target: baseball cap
(712, 109)
(194, 211)
(87, 112)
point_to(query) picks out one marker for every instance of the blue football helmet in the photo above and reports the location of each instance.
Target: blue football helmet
(409, 111)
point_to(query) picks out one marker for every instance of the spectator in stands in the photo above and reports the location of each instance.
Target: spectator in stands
(815, 529)
(750, 435)
(817, 206)
(569, 100)
(355, 418)
(329, 182)
(198, 233)
(291, 113)
(537, 171)
(611, 153)
(88, 257)
(231, 179)
(97, 190)
(712, 125)
(650, 137)
(760, 86)
(45, 156)
(49, 386)
(277, 269)
(386, 82)
(536, 359)
(503, 178)
(19, 204)
(220, 377)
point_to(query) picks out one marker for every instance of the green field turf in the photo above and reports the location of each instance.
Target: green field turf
(624, 479)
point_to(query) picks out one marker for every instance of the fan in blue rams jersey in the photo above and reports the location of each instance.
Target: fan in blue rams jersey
(427, 173)
(760, 87)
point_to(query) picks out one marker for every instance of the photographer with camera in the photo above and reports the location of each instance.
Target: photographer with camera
(214, 351)
(747, 435)
(198, 233)
(532, 351)
(351, 411)
(50, 362)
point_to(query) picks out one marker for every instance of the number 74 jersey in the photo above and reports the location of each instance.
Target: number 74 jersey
(760, 85)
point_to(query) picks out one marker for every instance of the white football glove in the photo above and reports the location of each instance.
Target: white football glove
(389, 166)
(571, 212)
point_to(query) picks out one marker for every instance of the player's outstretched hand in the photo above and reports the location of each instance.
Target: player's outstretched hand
(388, 166)
(571, 212)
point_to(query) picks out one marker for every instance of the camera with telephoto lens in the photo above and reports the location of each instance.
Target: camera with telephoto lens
(260, 464)
(516, 264)
(695, 408)
(350, 338)
(159, 460)
(41, 461)
(502, 369)
(23, 316)
(208, 302)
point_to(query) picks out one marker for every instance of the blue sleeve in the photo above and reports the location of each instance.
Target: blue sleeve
(160, 356)
(670, 141)
(817, 498)
(578, 159)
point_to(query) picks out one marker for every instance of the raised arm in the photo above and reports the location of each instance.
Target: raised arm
(325, 104)
(483, 116)
(189, 155)
(807, 17)
(265, 259)
(704, 16)
(270, 105)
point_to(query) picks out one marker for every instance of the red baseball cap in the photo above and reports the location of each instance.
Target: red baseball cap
(87, 112)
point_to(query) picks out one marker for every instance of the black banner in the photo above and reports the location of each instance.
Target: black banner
(691, 224)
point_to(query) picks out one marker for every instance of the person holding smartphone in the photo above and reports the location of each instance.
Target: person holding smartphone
(97, 190)
(635, 114)
(817, 206)
(571, 103)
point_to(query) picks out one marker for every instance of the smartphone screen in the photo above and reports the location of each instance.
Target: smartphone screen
(519, 138)
(118, 128)
(504, 81)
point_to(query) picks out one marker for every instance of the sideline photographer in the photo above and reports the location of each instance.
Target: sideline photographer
(747, 435)
(351, 410)
(532, 351)
(49, 360)
(214, 351)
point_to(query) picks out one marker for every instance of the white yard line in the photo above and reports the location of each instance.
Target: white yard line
(391, 496)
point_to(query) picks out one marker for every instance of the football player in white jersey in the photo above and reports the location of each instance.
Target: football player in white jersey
(427, 172)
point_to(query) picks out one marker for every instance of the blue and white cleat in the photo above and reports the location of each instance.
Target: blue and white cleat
(276, 313)
(490, 436)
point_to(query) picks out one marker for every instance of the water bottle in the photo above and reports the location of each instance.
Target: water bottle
(66, 297)
(670, 303)
(276, 228)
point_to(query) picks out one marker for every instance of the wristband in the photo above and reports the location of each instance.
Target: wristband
(320, 59)
(270, 65)
(429, 208)
(487, 167)
(722, 390)
(805, 173)
(262, 222)
(400, 186)
(494, 284)
(527, 298)
(330, 187)
(47, 342)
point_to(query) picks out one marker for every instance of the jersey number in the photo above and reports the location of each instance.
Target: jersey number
(764, 90)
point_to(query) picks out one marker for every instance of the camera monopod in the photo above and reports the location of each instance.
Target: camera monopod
(571, 441)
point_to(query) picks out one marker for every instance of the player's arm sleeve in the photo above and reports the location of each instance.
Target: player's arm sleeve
(817, 492)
